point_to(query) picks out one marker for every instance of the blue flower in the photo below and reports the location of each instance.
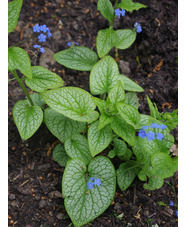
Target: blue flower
(163, 126)
(150, 135)
(42, 50)
(42, 38)
(119, 12)
(142, 134)
(145, 127)
(171, 204)
(49, 34)
(177, 213)
(43, 28)
(97, 182)
(90, 185)
(36, 46)
(36, 28)
(159, 136)
(70, 43)
(155, 125)
(92, 178)
(138, 27)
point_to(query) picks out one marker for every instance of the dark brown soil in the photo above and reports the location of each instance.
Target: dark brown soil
(34, 178)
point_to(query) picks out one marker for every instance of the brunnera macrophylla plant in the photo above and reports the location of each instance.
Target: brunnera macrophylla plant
(93, 128)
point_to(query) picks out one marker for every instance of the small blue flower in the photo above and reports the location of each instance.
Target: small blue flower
(145, 127)
(122, 12)
(36, 46)
(119, 12)
(42, 38)
(92, 178)
(90, 185)
(155, 125)
(142, 134)
(97, 182)
(177, 213)
(42, 50)
(138, 27)
(49, 34)
(150, 135)
(171, 204)
(69, 44)
(163, 126)
(36, 28)
(159, 136)
(43, 28)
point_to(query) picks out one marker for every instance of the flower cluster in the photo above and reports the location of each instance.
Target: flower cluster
(72, 43)
(119, 12)
(138, 27)
(93, 182)
(150, 135)
(42, 38)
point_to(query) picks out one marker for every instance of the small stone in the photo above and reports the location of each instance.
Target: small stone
(42, 204)
(50, 213)
(60, 216)
(117, 206)
(168, 212)
(75, 25)
(124, 66)
(11, 197)
(44, 167)
(56, 35)
(46, 58)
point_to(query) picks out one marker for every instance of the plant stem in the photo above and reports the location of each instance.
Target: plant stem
(116, 3)
(14, 73)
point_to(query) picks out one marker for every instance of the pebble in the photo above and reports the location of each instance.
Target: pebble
(56, 35)
(60, 216)
(11, 196)
(44, 167)
(42, 203)
(46, 58)
(124, 66)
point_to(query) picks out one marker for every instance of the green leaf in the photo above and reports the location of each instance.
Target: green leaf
(19, 59)
(106, 9)
(27, 118)
(98, 140)
(130, 85)
(126, 174)
(153, 108)
(131, 98)
(103, 76)
(121, 149)
(105, 41)
(37, 100)
(78, 58)
(82, 204)
(104, 120)
(14, 8)
(128, 113)
(125, 38)
(117, 93)
(60, 126)
(123, 129)
(43, 79)
(72, 102)
(129, 5)
(164, 165)
(154, 183)
(59, 155)
(77, 147)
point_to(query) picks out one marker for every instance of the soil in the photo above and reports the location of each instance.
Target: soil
(34, 178)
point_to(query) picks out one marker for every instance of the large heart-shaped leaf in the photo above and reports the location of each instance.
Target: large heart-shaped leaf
(117, 93)
(106, 9)
(105, 41)
(19, 59)
(131, 98)
(83, 204)
(98, 140)
(78, 58)
(130, 85)
(27, 118)
(43, 79)
(77, 147)
(72, 102)
(129, 5)
(60, 126)
(14, 8)
(125, 38)
(129, 113)
(59, 155)
(123, 129)
(103, 76)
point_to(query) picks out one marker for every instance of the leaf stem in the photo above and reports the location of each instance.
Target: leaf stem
(14, 73)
